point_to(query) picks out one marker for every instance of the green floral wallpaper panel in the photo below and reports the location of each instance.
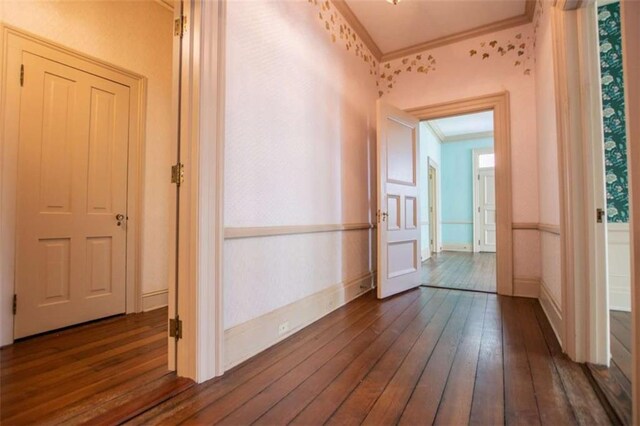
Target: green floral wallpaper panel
(615, 139)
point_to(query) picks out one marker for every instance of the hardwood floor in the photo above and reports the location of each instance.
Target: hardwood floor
(468, 271)
(615, 381)
(99, 373)
(426, 356)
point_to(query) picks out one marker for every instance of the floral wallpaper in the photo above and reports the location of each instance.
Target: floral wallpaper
(613, 112)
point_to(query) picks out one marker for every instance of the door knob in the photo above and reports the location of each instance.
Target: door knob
(120, 219)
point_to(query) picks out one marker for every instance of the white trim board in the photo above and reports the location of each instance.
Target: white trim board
(464, 247)
(551, 310)
(619, 267)
(155, 300)
(254, 336)
(526, 287)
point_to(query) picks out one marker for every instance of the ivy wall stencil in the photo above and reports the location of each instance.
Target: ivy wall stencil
(519, 48)
(422, 63)
(613, 112)
(342, 33)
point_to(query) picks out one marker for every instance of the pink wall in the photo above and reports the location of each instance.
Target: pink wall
(497, 62)
(547, 150)
(300, 137)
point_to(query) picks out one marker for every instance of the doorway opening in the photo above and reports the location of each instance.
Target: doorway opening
(459, 230)
(610, 181)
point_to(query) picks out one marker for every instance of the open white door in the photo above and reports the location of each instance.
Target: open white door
(398, 204)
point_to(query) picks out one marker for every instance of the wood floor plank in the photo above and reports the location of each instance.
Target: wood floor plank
(488, 394)
(455, 406)
(428, 356)
(314, 356)
(356, 407)
(469, 271)
(276, 357)
(520, 399)
(551, 398)
(78, 370)
(444, 392)
(616, 388)
(391, 403)
(585, 403)
(342, 374)
(250, 400)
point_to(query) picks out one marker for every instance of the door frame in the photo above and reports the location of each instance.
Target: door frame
(630, 17)
(475, 185)
(14, 41)
(431, 164)
(200, 351)
(499, 104)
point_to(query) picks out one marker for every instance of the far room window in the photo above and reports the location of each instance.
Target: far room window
(486, 161)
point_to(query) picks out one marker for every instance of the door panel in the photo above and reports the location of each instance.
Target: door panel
(70, 257)
(398, 203)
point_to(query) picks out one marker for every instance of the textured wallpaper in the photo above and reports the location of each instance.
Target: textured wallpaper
(615, 140)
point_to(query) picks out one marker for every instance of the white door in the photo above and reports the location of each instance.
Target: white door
(398, 204)
(72, 182)
(486, 210)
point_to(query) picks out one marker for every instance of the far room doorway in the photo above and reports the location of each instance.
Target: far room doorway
(459, 215)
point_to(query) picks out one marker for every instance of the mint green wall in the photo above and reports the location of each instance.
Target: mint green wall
(429, 148)
(457, 189)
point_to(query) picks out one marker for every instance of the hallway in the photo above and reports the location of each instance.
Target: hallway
(466, 271)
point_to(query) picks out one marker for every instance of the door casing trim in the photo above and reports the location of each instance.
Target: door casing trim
(499, 104)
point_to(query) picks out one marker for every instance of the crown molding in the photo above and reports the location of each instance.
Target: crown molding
(504, 24)
(167, 4)
(437, 132)
(530, 9)
(350, 17)
(435, 129)
(467, 136)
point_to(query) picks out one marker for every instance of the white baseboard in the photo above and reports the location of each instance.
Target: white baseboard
(425, 255)
(154, 300)
(619, 252)
(552, 310)
(466, 247)
(252, 337)
(526, 287)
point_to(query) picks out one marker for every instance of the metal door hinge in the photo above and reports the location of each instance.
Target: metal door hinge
(175, 327)
(177, 173)
(15, 304)
(599, 215)
(21, 75)
(180, 26)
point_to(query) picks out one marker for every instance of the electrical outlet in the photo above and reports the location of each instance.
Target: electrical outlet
(283, 328)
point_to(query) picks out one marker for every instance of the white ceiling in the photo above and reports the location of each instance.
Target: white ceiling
(412, 22)
(463, 126)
